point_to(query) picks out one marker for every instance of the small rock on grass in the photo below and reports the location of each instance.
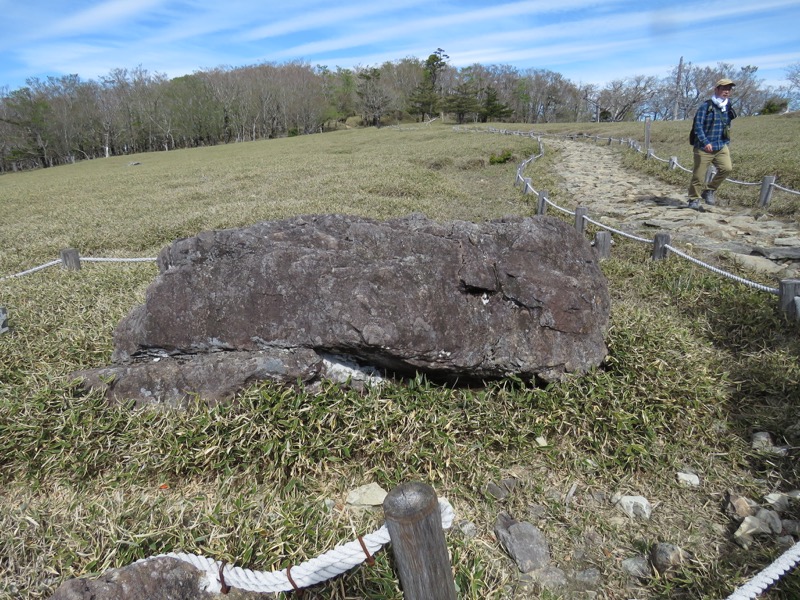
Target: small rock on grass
(366, 496)
(633, 506)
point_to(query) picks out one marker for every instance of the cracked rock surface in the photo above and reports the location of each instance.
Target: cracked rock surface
(462, 301)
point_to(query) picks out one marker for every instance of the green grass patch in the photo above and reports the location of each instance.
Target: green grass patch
(695, 364)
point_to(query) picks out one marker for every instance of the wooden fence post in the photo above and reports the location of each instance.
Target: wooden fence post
(526, 185)
(414, 521)
(602, 244)
(541, 209)
(3, 319)
(580, 222)
(673, 163)
(660, 243)
(790, 297)
(647, 124)
(766, 190)
(70, 259)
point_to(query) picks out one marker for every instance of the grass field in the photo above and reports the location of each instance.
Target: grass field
(697, 364)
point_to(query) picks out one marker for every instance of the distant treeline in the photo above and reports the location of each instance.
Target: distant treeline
(64, 119)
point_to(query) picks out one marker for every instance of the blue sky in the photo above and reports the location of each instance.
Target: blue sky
(587, 41)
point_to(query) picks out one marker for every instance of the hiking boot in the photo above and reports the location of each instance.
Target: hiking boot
(708, 197)
(694, 203)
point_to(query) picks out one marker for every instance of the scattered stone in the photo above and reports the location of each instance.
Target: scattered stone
(537, 511)
(779, 253)
(785, 540)
(762, 442)
(790, 527)
(467, 529)
(787, 241)
(688, 479)
(771, 518)
(524, 543)
(498, 492)
(587, 578)
(779, 502)
(367, 496)
(638, 567)
(549, 577)
(750, 528)
(666, 558)
(633, 506)
(739, 507)
(541, 441)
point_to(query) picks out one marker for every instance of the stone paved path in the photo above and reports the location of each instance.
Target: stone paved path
(644, 205)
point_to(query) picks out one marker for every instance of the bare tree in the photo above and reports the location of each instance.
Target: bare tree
(626, 99)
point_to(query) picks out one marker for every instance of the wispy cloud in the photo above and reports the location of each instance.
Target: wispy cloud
(589, 40)
(92, 20)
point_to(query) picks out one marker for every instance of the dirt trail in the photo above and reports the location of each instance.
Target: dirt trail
(644, 205)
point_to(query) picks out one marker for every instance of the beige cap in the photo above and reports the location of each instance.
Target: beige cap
(723, 82)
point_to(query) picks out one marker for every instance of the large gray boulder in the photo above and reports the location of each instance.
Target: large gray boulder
(457, 301)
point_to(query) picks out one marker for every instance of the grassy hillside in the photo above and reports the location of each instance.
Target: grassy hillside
(696, 364)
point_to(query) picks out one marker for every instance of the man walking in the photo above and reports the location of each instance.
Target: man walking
(711, 129)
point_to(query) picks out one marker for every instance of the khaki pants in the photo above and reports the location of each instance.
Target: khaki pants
(721, 159)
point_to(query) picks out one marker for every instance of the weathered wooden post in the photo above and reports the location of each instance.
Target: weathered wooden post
(673, 163)
(526, 185)
(70, 259)
(542, 208)
(414, 521)
(580, 221)
(602, 244)
(766, 190)
(660, 243)
(789, 290)
(3, 319)
(647, 124)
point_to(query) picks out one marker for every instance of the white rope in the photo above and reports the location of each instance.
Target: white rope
(780, 187)
(33, 270)
(619, 231)
(759, 584)
(123, 260)
(326, 566)
(88, 259)
(700, 263)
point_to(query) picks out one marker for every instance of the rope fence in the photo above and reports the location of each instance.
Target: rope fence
(788, 292)
(312, 572)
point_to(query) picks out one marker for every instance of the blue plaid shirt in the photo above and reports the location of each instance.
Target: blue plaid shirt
(711, 126)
